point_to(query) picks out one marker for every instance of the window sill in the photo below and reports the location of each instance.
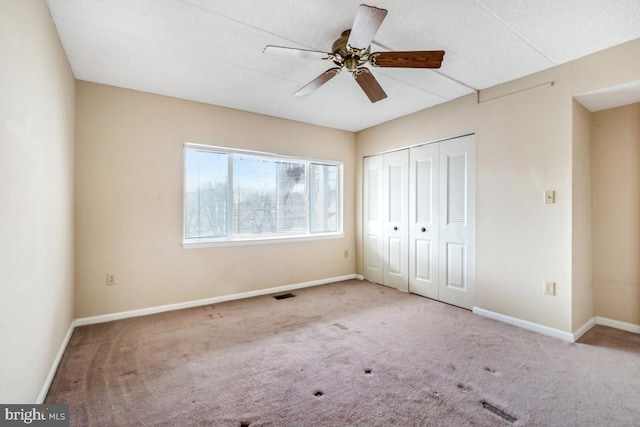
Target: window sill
(195, 244)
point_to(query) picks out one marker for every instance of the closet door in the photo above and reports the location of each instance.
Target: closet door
(423, 220)
(396, 219)
(457, 222)
(373, 238)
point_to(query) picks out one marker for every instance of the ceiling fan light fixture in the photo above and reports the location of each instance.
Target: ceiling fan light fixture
(351, 63)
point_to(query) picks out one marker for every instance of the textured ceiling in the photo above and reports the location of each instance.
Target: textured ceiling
(211, 50)
(624, 94)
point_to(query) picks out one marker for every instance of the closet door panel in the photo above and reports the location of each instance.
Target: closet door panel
(457, 222)
(373, 238)
(396, 219)
(423, 220)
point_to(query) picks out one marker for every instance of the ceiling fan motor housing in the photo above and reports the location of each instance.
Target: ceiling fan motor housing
(340, 46)
(344, 56)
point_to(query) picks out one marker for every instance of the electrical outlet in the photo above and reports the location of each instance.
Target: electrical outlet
(549, 288)
(111, 279)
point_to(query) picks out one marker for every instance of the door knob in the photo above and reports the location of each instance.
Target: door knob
(423, 229)
(395, 228)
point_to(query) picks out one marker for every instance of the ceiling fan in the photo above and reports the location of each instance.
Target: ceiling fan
(352, 51)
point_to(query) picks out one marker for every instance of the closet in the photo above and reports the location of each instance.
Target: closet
(419, 220)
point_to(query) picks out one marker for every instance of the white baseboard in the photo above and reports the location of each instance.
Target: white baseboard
(214, 300)
(556, 333)
(525, 324)
(629, 327)
(359, 277)
(54, 366)
(584, 328)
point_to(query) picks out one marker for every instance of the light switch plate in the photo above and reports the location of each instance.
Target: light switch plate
(549, 196)
(549, 288)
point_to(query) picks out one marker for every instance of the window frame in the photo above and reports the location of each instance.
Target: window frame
(230, 239)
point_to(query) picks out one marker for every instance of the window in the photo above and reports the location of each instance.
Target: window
(233, 195)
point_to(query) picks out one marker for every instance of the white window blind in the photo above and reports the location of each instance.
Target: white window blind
(206, 194)
(269, 196)
(232, 195)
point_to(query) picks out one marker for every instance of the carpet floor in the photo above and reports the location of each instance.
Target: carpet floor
(344, 354)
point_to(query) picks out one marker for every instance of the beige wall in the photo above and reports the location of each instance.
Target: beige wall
(524, 148)
(581, 212)
(36, 198)
(525, 145)
(616, 215)
(129, 181)
(607, 68)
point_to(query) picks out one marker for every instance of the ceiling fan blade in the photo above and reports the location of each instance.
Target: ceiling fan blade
(369, 84)
(318, 81)
(367, 22)
(294, 52)
(412, 59)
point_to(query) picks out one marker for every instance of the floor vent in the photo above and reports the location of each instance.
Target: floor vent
(499, 412)
(284, 296)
